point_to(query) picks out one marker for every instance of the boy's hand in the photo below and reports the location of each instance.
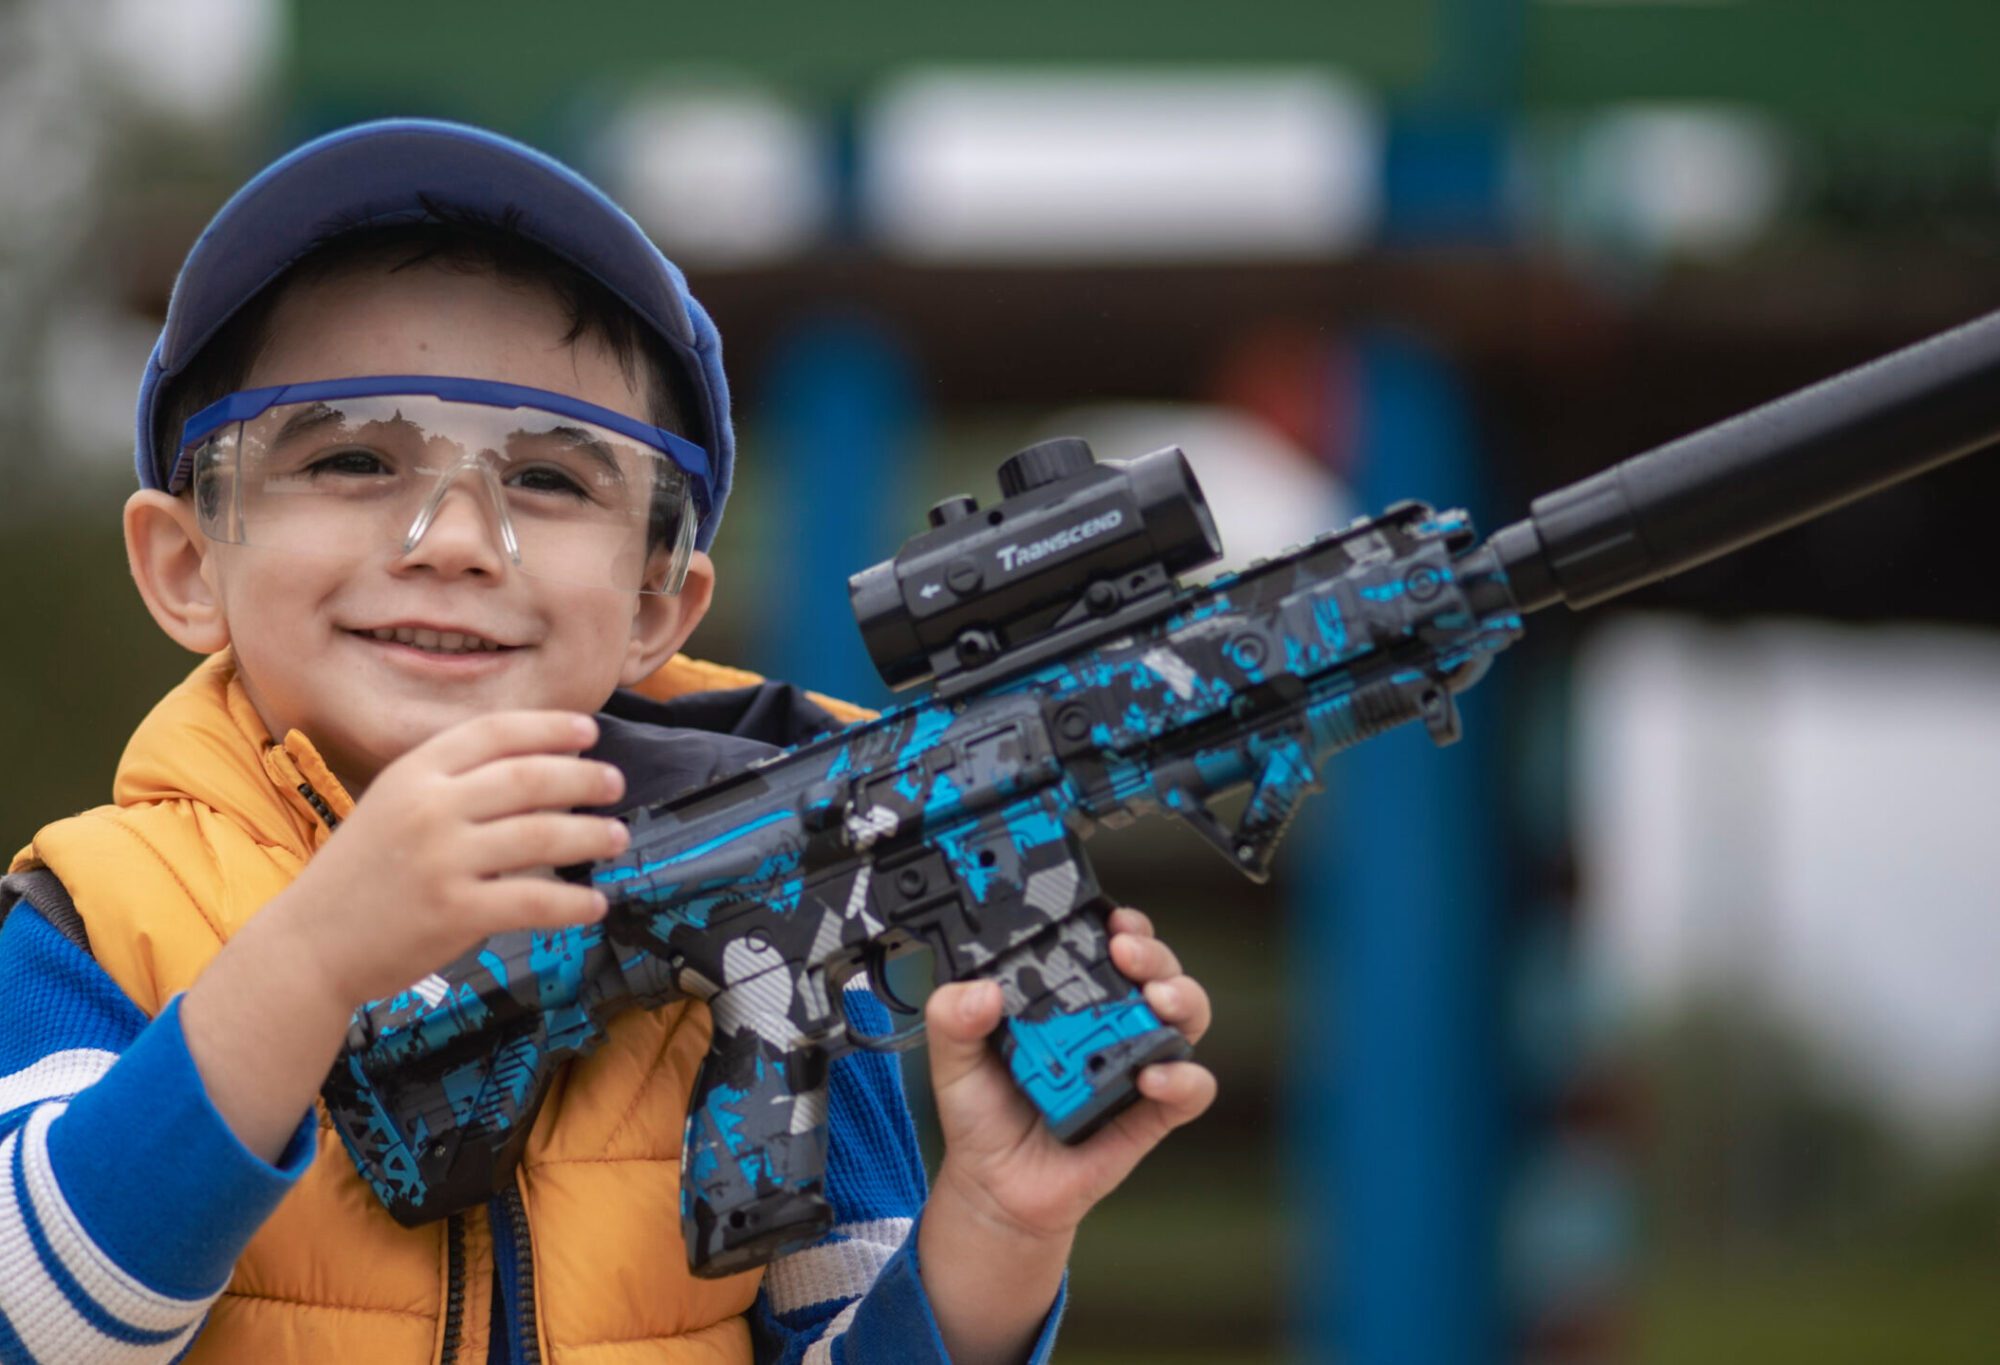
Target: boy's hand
(421, 871)
(424, 867)
(1008, 1196)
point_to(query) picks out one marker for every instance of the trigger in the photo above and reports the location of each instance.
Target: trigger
(878, 983)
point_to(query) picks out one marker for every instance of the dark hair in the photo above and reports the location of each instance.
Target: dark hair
(454, 240)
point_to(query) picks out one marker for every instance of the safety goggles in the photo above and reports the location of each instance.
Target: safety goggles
(567, 491)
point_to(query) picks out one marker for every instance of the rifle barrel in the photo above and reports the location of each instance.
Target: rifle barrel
(1722, 487)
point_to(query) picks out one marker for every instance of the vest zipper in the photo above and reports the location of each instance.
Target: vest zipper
(454, 1287)
(319, 805)
(519, 1259)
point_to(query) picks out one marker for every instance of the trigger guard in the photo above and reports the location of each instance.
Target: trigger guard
(900, 1041)
(878, 984)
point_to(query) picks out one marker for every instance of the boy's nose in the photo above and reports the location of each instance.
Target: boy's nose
(462, 533)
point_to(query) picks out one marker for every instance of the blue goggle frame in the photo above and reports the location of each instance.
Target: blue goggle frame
(691, 459)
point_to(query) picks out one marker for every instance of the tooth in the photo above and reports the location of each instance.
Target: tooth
(451, 640)
(425, 639)
(404, 635)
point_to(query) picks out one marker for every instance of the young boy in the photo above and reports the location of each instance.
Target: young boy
(392, 737)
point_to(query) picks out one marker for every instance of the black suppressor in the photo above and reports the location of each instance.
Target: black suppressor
(1754, 475)
(1071, 541)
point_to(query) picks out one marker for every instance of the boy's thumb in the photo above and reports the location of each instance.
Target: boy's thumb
(958, 1017)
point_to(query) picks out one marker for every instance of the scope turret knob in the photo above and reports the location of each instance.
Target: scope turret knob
(1045, 462)
(957, 507)
(963, 577)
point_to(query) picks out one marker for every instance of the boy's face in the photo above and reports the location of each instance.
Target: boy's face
(300, 623)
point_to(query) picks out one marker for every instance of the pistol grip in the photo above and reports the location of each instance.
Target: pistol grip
(753, 1164)
(1077, 1032)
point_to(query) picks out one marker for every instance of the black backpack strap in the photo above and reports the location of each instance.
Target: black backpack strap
(42, 889)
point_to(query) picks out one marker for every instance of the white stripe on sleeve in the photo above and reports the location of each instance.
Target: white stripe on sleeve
(832, 1270)
(37, 1309)
(821, 1351)
(58, 1076)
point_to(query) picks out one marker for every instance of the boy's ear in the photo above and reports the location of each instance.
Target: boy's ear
(661, 625)
(171, 564)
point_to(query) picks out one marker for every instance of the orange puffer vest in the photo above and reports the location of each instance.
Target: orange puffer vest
(209, 820)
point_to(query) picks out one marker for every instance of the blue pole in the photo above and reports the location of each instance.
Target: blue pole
(842, 411)
(1397, 1122)
(1396, 907)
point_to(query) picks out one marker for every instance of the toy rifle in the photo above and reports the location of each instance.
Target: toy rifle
(1076, 683)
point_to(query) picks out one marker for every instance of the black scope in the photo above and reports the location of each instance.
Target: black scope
(1071, 542)
(1724, 486)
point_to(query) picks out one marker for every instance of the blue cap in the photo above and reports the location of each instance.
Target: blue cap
(383, 172)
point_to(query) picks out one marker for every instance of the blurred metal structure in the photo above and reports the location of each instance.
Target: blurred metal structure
(840, 412)
(1396, 1143)
(1408, 862)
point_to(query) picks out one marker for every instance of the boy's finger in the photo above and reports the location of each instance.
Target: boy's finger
(509, 903)
(1182, 1090)
(958, 1016)
(532, 782)
(485, 738)
(1144, 959)
(520, 843)
(1182, 1002)
(1172, 1093)
(1126, 920)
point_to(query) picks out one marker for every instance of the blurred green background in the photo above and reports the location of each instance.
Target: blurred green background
(1731, 1066)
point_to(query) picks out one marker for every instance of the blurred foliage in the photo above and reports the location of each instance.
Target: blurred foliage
(1891, 181)
(1791, 1220)
(88, 664)
(519, 69)
(1828, 62)
(1856, 1309)
(1834, 63)
(1754, 1140)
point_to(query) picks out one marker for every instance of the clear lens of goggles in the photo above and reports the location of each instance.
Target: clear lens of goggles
(542, 491)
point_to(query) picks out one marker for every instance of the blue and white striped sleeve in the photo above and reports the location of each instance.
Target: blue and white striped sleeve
(124, 1196)
(855, 1297)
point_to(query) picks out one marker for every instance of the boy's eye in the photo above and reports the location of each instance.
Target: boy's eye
(347, 460)
(547, 479)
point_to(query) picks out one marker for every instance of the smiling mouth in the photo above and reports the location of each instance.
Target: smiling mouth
(435, 641)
